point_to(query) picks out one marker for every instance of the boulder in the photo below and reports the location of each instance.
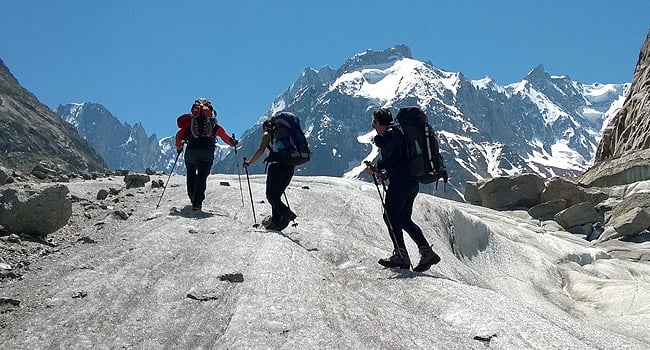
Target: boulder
(629, 203)
(511, 192)
(560, 188)
(136, 180)
(4, 176)
(577, 215)
(547, 210)
(629, 218)
(37, 210)
(472, 195)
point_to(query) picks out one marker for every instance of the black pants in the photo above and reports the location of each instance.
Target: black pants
(278, 178)
(399, 207)
(198, 163)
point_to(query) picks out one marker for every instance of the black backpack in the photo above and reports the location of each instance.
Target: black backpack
(422, 148)
(288, 142)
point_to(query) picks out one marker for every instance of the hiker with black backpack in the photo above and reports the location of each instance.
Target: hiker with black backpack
(402, 189)
(283, 137)
(198, 131)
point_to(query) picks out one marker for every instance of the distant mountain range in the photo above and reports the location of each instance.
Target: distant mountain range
(545, 124)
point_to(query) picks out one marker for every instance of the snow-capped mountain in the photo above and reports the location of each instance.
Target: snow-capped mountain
(549, 125)
(121, 145)
(545, 124)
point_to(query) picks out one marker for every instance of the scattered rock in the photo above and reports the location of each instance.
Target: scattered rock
(149, 171)
(8, 304)
(86, 239)
(79, 295)
(121, 214)
(114, 191)
(203, 296)
(576, 215)
(224, 183)
(484, 338)
(136, 180)
(102, 194)
(232, 277)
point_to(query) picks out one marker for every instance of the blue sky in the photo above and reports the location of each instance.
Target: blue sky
(147, 60)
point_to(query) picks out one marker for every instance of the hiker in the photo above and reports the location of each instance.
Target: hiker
(278, 176)
(402, 189)
(198, 130)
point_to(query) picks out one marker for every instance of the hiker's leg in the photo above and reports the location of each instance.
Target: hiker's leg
(287, 175)
(191, 179)
(275, 180)
(414, 231)
(203, 170)
(395, 200)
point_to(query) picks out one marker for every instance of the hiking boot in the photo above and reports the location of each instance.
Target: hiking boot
(267, 221)
(396, 260)
(427, 258)
(285, 220)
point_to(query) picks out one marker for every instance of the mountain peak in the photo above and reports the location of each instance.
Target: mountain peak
(537, 74)
(371, 57)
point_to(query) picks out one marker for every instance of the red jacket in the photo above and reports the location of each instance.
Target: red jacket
(185, 134)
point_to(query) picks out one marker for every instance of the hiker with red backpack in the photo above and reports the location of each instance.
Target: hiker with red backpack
(402, 189)
(198, 131)
(287, 145)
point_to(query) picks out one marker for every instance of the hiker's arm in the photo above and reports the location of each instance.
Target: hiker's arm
(180, 137)
(221, 132)
(183, 130)
(389, 153)
(260, 150)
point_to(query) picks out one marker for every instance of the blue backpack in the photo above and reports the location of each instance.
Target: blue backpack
(288, 143)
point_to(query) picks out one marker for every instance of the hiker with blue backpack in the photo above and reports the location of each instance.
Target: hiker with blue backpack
(394, 166)
(282, 136)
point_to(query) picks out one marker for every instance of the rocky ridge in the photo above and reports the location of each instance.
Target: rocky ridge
(30, 133)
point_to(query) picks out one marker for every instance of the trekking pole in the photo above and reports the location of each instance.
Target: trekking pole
(169, 177)
(288, 206)
(251, 194)
(241, 192)
(383, 205)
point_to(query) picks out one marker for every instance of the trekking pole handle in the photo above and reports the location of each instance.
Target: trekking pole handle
(234, 139)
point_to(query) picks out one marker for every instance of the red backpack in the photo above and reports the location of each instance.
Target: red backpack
(204, 121)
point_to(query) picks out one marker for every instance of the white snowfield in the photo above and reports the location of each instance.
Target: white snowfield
(503, 283)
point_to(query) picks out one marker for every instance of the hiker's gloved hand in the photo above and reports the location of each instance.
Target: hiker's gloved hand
(370, 168)
(380, 175)
(246, 164)
(234, 142)
(179, 150)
